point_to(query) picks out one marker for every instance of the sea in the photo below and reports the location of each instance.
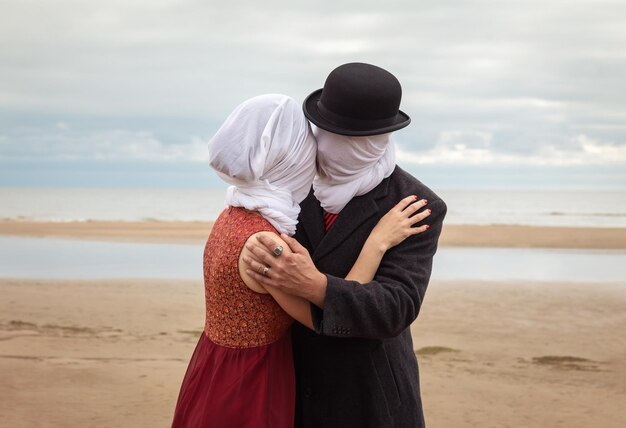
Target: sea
(481, 207)
(22, 257)
(82, 259)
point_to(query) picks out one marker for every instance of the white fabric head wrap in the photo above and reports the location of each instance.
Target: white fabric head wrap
(350, 166)
(265, 149)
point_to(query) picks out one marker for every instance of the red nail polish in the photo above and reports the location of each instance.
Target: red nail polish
(425, 201)
(429, 211)
(415, 198)
(427, 227)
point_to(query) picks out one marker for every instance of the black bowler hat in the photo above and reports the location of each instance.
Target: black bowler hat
(357, 99)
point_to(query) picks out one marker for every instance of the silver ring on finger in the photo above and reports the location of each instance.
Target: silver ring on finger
(278, 250)
(265, 270)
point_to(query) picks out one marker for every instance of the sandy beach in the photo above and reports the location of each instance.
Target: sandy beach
(113, 353)
(452, 235)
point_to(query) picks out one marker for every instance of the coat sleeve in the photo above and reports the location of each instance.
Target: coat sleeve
(387, 305)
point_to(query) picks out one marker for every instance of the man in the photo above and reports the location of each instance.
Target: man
(358, 369)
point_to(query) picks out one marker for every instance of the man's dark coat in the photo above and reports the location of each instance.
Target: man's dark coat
(358, 369)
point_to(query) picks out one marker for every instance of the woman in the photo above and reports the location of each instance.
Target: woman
(241, 373)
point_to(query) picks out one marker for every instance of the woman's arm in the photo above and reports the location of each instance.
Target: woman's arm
(393, 228)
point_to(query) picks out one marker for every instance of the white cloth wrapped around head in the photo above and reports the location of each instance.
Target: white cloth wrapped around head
(265, 149)
(350, 166)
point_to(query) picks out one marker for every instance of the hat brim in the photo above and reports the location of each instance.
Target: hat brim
(312, 113)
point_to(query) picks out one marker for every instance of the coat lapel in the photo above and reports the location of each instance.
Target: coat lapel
(312, 220)
(354, 214)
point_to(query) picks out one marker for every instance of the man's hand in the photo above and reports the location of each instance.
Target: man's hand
(292, 272)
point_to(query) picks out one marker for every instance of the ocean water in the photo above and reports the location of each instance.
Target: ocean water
(548, 208)
(78, 259)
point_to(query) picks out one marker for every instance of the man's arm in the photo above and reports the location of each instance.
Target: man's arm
(381, 308)
(293, 273)
(297, 307)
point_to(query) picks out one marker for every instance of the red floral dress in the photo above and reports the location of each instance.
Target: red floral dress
(241, 372)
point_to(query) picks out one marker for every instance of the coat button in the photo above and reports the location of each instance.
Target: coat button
(308, 392)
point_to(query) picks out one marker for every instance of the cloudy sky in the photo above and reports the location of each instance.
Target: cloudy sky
(127, 93)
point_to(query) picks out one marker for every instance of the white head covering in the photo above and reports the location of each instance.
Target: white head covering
(265, 149)
(350, 166)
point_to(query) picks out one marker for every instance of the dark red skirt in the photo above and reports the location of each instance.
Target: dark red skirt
(238, 387)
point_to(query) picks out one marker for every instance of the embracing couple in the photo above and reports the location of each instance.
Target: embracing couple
(317, 267)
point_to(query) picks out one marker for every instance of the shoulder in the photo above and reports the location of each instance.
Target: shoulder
(246, 221)
(402, 184)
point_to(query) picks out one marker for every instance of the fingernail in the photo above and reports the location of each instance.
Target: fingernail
(429, 211)
(427, 227)
(425, 201)
(415, 197)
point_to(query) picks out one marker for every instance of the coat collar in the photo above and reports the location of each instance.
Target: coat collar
(355, 213)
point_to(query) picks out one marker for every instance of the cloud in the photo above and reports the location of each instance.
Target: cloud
(109, 145)
(466, 138)
(124, 145)
(486, 81)
(451, 150)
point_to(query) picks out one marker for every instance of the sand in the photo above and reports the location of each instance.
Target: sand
(113, 353)
(452, 235)
(102, 353)
(140, 231)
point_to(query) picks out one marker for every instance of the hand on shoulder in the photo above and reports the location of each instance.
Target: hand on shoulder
(252, 283)
(399, 223)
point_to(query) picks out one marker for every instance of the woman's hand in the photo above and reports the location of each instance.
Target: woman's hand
(397, 225)
(393, 228)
